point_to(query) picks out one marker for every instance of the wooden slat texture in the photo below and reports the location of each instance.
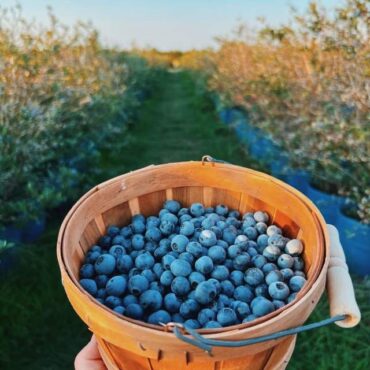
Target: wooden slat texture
(119, 215)
(151, 203)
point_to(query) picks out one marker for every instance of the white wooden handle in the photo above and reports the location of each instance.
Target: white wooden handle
(342, 298)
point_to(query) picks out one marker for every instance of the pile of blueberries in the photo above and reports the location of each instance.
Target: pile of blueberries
(203, 267)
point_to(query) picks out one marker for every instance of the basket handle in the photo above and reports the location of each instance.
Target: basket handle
(208, 158)
(344, 310)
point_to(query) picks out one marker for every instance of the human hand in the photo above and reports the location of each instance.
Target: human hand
(89, 357)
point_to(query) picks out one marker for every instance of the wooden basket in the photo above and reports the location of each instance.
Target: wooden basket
(131, 344)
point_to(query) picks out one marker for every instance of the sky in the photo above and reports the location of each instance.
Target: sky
(164, 24)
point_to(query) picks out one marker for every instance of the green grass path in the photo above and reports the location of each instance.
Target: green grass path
(38, 328)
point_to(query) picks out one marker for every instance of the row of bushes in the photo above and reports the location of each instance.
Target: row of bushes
(63, 99)
(308, 85)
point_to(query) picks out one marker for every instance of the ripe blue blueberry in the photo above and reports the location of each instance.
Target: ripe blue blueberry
(172, 303)
(298, 263)
(137, 284)
(172, 206)
(180, 286)
(195, 278)
(151, 300)
(91, 257)
(185, 218)
(287, 274)
(197, 209)
(159, 317)
(207, 238)
(205, 315)
(179, 243)
(229, 235)
(261, 216)
(116, 285)
(248, 221)
(87, 271)
(138, 227)
(261, 227)
(261, 290)
(208, 222)
(195, 249)
(278, 304)
(101, 293)
(222, 244)
(254, 276)
(217, 231)
(138, 218)
(234, 250)
(153, 234)
(210, 210)
(296, 283)
(272, 253)
(227, 288)
(138, 242)
(155, 285)
(117, 250)
(241, 262)
(89, 285)
(167, 260)
(285, 261)
(241, 309)
(300, 273)
(134, 311)
(277, 240)
(274, 276)
(186, 256)
(113, 230)
(119, 309)
(187, 228)
(152, 221)
(96, 248)
(150, 247)
(222, 210)
(273, 229)
(249, 318)
(169, 217)
(234, 213)
(180, 267)
(220, 273)
(105, 241)
(183, 211)
(251, 232)
(105, 264)
(229, 263)
(259, 261)
(101, 280)
(262, 242)
(217, 254)
(279, 290)
(269, 267)
(126, 232)
(205, 292)
(216, 283)
(176, 317)
(291, 298)
(212, 325)
(261, 306)
(112, 301)
(189, 309)
(144, 261)
(243, 293)
(226, 317)
(167, 227)
(128, 299)
(166, 278)
(192, 324)
(237, 277)
(204, 265)
(124, 263)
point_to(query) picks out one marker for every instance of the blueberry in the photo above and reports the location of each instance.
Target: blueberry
(300, 273)
(144, 261)
(192, 324)
(183, 211)
(162, 212)
(105, 241)
(185, 218)
(261, 306)
(261, 227)
(212, 325)
(112, 301)
(261, 216)
(296, 283)
(285, 261)
(227, 317)
(222, 243)
(189, 309)
(179, 243)
(287, 274)
(249, 318)
(269, 267)
(169, 217)
(138, 284)
(105, 264)
(116, 285)
(117, 250)
(204, 265)
(134, 254)
(242, 309)
(159, 317)
(243, 293)
(101, 293)
(205, 292)
(194, 248)
(216, 283)
(217, 254)
(279, 290)
(113, 230)
(138, 242)
(91, 257)
(208, 222)
(262, 242)
(220, 273)
(241, 262)
(292, 297)
(272, 253)
(197, 209)
(259, 261)
(172, 206)
(167, 260)
(89, 285)
(205, 315)
(229, 235)
(138, 218)
(158, 269)
(237, 277)
(227, 288)
(176, 317)
(294, 247)
(166, 278)
(151, 300)
(241, 240)
(223, 301)
(150, 247)
(96, 248)
(207, 238)
(278, 304)
(134, 271)
(180, 267)
(298, 263)
(188, 257)
(187, 228)
(261, 290)
(101, 281)
(87, 271)
(153, 234)
(155, 285)
(229, 263)
(167, 227)
(124, 263)
(134, 311)
(273, 229)
(138, 227)
(180, 286)
(128, 299)
(248, 221)
(210, 209)
(274, 276)
(119, 309)
(251, 232)
(234, 213)
(222, 210)
(195, 278)
(191, 295)
(126, 232)
(221, 225)
(197, 222)
(254, 276)
(171, 302)
(277, 240)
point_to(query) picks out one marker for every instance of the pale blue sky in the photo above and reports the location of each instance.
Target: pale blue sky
(164, 24)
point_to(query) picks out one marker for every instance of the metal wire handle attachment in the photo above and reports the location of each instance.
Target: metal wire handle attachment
(206, 344)
(208, 158)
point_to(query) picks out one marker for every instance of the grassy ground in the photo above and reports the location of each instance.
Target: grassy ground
(38, 328)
